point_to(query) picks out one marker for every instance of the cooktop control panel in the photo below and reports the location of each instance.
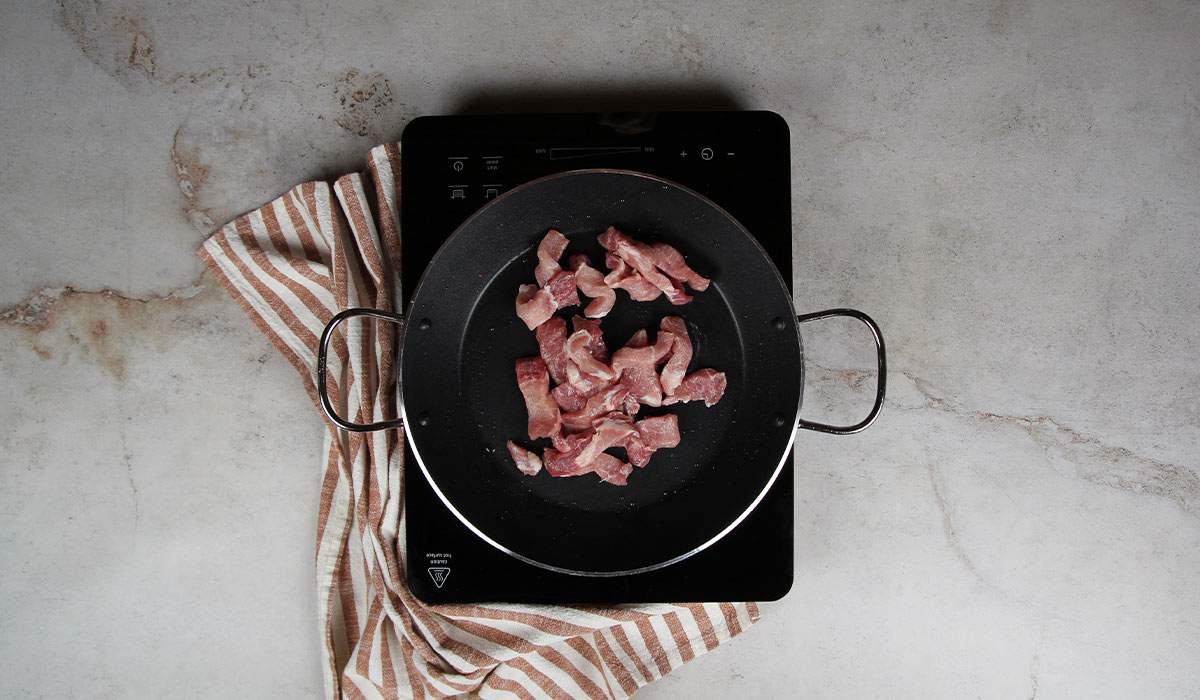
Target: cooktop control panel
(451, 166)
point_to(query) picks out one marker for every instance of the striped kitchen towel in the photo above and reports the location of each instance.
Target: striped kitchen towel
(291, 265)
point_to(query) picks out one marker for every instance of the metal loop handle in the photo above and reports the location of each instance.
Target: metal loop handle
(861, 426)
(322, 354)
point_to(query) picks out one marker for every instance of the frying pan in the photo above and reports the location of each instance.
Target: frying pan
(459, 400)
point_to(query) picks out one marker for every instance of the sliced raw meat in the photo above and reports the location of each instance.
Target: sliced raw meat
(638, 374)
(595, 396)
(576, 421)
(639, 288)
(622, 276)
(597, 405)
(567, 463)
(567, 440)
(659, 431)
(562, 288)
(579, 351)
(618, 269)
(555, 288)
(674, 292)
(608, 433)
(568, 398)
(671, 261)
(552, 342)
(586, 384)
(527, 462)
(534, 382)
(596, 344)
(706, 385)
(548, 252)
(535, 306)
(611, 469)
(562, 460)
(641, 257)
(590, 281)
(630, 403)
(681, 354)
(643, 385)
(636, 451)
(651, 434)
(643, 355)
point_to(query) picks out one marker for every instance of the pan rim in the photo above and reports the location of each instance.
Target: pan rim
(465, 521)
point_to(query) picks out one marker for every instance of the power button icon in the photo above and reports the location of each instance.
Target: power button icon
(706, 154)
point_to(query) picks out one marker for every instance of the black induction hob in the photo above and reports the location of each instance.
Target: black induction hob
(453, 165)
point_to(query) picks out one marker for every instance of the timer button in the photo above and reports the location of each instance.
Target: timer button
(706, 153)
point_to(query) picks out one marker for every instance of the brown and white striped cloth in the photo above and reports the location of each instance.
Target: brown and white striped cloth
(291, 265)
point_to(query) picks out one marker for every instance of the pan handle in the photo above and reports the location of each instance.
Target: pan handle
(322, 354)
(861, 426)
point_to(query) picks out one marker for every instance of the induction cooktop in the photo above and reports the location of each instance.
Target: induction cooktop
(453, 165)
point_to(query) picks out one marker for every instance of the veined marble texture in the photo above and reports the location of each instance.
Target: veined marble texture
(1011, 189)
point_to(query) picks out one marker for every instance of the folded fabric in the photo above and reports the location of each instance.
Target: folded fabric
(291, 265)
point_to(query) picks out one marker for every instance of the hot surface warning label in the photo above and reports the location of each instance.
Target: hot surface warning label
(439, 575)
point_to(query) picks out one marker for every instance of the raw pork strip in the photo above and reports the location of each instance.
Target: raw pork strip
(527, 462)
(706, 384)
(608, 467)
(591, 282)
(652, 434)
(611, 469)
(599, 404)
(534, 382)
(568, 398)
(555, 288)
(548, 252)
(562, 460)
(617, 269)
(681, 354)
(659, 431)
(641, 257)
(643, 385)
(637, 451)
(578, 350)
(637, 363)
(622, 276)
(535, 306)
(670, 261)
(584, 452)
(608, 433)
(552, 343)
(562, 288)
(586, 384)
(596, 345)
(639, 353)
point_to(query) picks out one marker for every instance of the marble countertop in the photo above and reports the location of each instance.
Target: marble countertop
(1011, 189)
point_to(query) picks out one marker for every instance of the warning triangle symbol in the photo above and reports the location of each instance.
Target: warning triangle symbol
(439, 574)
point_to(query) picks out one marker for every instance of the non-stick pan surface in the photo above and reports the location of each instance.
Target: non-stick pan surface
(461, 403)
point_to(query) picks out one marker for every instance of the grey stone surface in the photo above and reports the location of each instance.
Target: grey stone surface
(1011, 189)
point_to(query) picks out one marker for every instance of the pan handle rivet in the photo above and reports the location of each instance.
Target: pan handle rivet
(424, 324)
(423, 419)
(779, 420)
(778, 324)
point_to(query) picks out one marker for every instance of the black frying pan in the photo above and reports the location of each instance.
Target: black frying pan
(460, 402)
